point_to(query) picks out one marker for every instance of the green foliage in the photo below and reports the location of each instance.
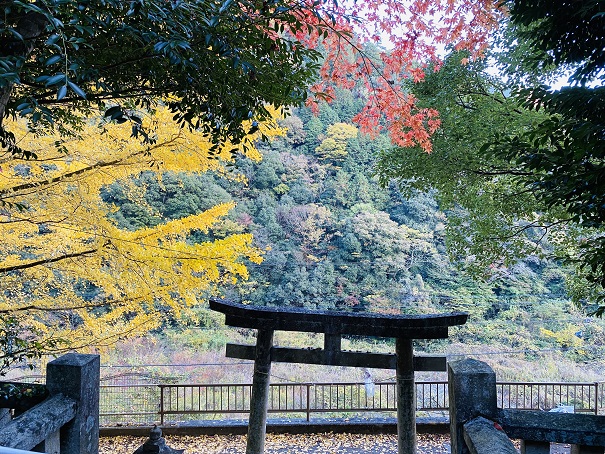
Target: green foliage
(486, 206)
(334, 238)
(560, 158)
(558, 33)
(175, 196)
(334, 146)
(215, 65)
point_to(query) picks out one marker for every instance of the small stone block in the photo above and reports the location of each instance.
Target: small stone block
(156, 444)
(535, 447)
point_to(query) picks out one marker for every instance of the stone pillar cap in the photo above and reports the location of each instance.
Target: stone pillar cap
(156, 444)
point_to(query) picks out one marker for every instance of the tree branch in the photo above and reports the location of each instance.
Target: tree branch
(494, 173)
(98, 165)
(34, 307)
(35, 263)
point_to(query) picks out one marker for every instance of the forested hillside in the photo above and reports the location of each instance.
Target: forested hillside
(335, 239)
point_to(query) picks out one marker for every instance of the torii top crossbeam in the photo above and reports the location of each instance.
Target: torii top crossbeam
(429, 326)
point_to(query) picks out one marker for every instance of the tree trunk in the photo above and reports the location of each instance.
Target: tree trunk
(30, 26)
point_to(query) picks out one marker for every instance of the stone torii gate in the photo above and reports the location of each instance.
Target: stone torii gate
(404, 328)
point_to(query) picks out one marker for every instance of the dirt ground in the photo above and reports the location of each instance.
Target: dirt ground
(327, 443)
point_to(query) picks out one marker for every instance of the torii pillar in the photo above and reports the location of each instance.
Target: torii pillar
(404, 328)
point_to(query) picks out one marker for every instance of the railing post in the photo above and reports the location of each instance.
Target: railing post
(161, 405)
(596, 398)
(308, 402)
(77, 376)
(472, 393)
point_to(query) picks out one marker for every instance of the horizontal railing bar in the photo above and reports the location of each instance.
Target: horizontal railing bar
(148, 385)
(297, 384)
(271, 410)
(173, 385)
(537, 383)
(34, 426)
(208, 412)
(315, 383)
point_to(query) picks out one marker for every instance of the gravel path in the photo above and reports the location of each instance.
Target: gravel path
(327, 443)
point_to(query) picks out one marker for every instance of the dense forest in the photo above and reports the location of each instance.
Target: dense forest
(335, 239)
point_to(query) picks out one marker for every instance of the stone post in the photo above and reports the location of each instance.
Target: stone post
(259, 400)
(472, 393)
(406, 397)
(77, 376)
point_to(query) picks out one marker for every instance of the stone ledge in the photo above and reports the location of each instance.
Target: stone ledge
(239, 427)
(588, 430)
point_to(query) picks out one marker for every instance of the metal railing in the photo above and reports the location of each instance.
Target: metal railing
(171, 403)
(583, 397)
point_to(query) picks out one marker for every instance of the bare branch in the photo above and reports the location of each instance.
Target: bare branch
(46, 261)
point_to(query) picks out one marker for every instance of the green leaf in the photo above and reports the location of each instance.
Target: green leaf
(114, 112)
(62, 92)
(16, 34)
(56, 79)
(226, 4)
(52, 60)
(52, 39)
(77, 90)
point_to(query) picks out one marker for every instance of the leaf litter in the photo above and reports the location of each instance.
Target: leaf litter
(325, 443)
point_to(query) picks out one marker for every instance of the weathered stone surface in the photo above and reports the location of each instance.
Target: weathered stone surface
(581, 429)
(31, 428)
(52, 444)
(77, 376)
(472, 393)
(482, 437)
(156, 444)
(406, 398)
(431, 326)
(581, 449)
(337, 358)
(259, 400)
(5, 416)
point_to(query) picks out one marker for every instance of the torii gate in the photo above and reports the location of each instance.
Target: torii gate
(404, 328)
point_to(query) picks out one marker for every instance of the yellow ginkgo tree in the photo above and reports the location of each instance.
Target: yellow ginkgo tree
(58, 238)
